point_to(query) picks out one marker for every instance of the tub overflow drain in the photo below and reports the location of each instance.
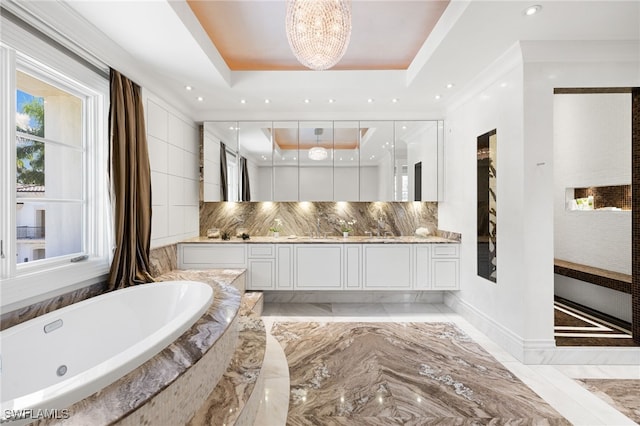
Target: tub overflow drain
(62, 370)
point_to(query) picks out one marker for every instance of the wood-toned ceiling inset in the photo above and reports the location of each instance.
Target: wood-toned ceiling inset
(287, 139)
(250, 35)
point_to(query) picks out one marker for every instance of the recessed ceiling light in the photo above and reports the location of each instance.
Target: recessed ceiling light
(243, 101)
(370, 100)
(450, 85)
(394, 100)
(200, 98)
(266, 101)
(188, 87)
(503, 85)
(532, 10)
(404, 127)
(437, 97)
(306, 101)
(331, 101)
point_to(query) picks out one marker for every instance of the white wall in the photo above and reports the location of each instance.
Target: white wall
(592, 134)
(211, 165)
(173, 143)
(515, 96)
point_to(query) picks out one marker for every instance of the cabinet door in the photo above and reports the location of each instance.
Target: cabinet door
(444, 274)
(284, 266)
(261, 273)
(423, 267)
(353, 266)
(318, 267)
(387, 266)
(230, 255)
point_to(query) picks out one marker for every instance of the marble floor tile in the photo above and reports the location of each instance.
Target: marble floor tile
(399, 371)
(568, 398)
(623, 395)
(410, 309)
(600, 371)
(274, 404)
(553, 383)
(306, 309)
(359, 310)
(275, 362)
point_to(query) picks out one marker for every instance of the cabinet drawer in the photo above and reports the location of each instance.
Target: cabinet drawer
(261, 250)
(445, 250)
(212, 256)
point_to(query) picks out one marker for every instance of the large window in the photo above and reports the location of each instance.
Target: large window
(51, 202)
(55, 231)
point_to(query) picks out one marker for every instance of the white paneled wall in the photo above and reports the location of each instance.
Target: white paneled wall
(592, 147)
(173, 143)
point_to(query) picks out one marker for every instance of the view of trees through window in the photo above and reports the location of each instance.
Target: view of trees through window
(29, 153)
(50, 200)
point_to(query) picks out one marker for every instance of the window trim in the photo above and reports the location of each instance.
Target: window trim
(21, 286)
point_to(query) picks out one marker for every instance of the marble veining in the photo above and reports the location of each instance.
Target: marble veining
(163, 259)
(294, 239)
(233, 393)
(622, 394)
(400, 373)
(400, 218)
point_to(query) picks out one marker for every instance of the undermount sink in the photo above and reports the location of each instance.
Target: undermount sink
(381, 240)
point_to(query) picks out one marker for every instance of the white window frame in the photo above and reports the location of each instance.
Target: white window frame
(21, 285)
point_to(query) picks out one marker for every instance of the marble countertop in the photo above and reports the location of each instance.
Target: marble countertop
(332, 239)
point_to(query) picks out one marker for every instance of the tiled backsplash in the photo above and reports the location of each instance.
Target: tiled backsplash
(300, 218)
(607, 196)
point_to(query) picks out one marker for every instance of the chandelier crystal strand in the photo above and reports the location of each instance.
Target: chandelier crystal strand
(318, 31)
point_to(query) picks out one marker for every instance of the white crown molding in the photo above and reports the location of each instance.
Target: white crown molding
(61, 22)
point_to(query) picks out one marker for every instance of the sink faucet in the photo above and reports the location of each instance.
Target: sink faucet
(380, 226)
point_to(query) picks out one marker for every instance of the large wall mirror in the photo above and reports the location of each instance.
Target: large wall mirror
(325, 160)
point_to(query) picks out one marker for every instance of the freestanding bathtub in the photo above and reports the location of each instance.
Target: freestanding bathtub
(59, 358)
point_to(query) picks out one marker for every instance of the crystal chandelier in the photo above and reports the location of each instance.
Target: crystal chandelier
(318, 31)
(318, 153)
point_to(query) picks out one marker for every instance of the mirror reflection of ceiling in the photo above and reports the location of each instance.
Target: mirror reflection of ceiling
(307, 138)
(250, 35)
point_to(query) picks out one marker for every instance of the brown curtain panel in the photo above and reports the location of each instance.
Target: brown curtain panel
(130, 178)
(224, 195)
(245, 193)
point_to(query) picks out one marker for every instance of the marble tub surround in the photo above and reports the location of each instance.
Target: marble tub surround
(229, 277)
(163, 259)
(400, 373)
(236, 398)
(300, 218)
(171, 386)
(15, 317)
(623, 395)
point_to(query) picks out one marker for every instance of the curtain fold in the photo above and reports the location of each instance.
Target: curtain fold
(224, 195)
(245, 192)
(130, 178)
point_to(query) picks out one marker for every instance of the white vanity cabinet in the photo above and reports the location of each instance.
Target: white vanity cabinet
(445, 267)
(332, 266)
(261, 266)
(352, 266)
(212, 256)
(318, 267)
(284, 266)
(387, 266)
(422, 280)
